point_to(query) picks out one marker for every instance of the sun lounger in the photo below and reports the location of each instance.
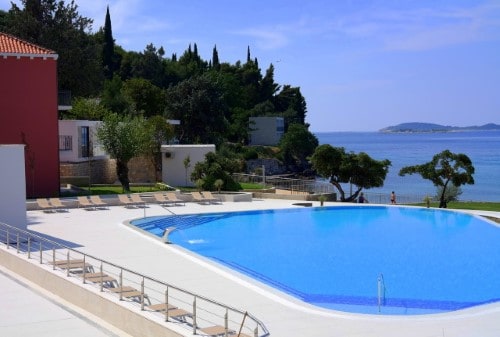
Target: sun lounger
(179, 314)
(98, 203)
(199, 198)
(124, 289)
(173, 198)
(216, 330)
(137, 200)
(210, 197)
(105, 279)
(125, 200)
(86, 204)
(161, 307)
(45, 205)
(76, 266)
(136, 296)
(66, 262)
(58, 205)
(161, 199)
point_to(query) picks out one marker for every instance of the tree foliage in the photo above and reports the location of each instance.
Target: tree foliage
(58, 26)
(157, 132)
(146, 98)
(108, 49)
(123, 137)
(339, 166)
(297, 144)
(216, 167)
(444, 168)
(87, 108)
(199, 103)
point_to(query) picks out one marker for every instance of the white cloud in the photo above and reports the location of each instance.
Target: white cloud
(421, 29)
(266, 38)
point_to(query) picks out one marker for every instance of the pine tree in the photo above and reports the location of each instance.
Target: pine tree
(108, 48)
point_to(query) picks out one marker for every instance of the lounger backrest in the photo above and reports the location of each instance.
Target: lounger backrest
(84, 201)
(136, 198)
(172, 197)
(124, 198)
(97, 200)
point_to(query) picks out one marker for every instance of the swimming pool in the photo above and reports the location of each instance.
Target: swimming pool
(365, 259)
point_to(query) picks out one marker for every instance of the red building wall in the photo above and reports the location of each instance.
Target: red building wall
(28, 114)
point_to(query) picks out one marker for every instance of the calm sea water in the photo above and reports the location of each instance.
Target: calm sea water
(403, 149)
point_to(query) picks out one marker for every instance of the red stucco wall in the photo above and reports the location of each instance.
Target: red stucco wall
(28, 105)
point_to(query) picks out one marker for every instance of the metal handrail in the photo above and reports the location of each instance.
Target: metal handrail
(150, 290)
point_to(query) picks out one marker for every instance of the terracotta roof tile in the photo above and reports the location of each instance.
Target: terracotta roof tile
(12, 45)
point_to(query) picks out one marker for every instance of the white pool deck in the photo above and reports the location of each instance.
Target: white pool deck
(26, 310)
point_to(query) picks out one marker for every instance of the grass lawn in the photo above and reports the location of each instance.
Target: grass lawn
(480, 206)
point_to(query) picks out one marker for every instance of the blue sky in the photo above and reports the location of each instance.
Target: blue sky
(361, 65)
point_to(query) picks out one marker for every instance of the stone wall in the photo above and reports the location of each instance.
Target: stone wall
(104, 171)
(273, 166)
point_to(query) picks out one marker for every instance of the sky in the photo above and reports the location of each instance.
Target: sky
(361, 65)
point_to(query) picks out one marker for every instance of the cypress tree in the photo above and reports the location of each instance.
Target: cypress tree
(215, 59)
(108, 49)
(248, 55)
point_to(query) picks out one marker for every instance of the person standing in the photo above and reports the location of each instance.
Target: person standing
(393, 198)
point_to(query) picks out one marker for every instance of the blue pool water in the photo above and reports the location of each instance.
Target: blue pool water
(428, 260)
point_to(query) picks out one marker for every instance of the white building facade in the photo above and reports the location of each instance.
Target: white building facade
(266, 130)
(174, 172)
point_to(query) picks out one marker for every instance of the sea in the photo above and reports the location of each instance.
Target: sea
(404, 149)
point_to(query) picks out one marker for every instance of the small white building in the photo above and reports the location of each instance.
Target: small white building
(78, 141)
(174, 173)
(13, 183)
(266, 130)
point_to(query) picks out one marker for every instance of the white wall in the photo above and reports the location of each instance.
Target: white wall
(71, 128)
(266, 130)
(13, 186)
(173, 170)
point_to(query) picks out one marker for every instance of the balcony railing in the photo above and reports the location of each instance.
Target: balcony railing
(64, 99)
(196, 313)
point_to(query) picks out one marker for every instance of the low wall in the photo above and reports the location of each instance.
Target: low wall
(126, 320)
(103, 171)
(294, 196)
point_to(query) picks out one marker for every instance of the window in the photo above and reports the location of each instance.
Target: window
(65, 143)
(84, 142)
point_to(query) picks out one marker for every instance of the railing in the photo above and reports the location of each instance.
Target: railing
(293, 185)
(322, 187)
(64, 98)
(194, 312)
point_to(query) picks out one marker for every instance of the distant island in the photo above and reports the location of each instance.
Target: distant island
(430, 127)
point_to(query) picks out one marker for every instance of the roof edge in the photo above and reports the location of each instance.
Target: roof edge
(31, 56)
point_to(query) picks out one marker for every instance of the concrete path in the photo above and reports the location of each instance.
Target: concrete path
(103, 234)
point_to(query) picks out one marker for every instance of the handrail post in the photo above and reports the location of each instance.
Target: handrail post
(41, 257)
(17, 243)
(194, 316)
(142, 294)
(67, 264)
(121, 284)
(166, 305)
(53, 258)
(102, 276)
(256, 331)
(29, 247)
(84, 269)
(225, 323)
(8, 239)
